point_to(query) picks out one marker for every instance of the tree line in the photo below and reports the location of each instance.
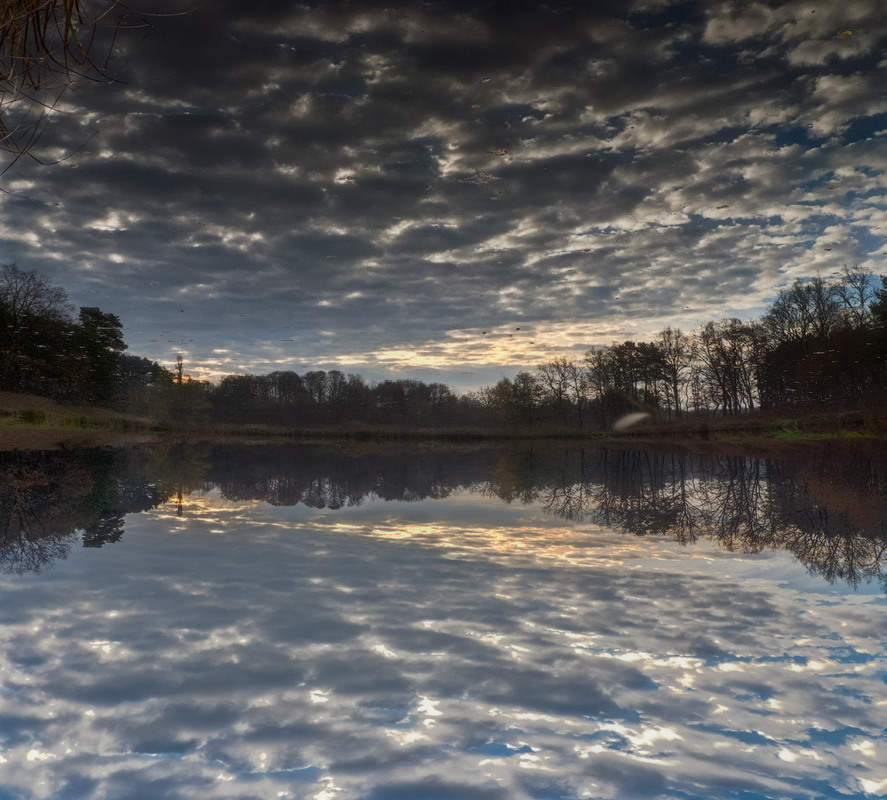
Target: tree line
(822, 343)
(46, 350)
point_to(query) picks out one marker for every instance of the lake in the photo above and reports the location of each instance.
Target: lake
(390, 623)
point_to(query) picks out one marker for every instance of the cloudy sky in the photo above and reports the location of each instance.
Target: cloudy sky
(456, 190)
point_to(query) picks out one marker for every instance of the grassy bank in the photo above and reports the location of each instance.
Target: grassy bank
(28, 422)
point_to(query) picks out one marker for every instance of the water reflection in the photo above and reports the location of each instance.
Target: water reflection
(829, 512)
(49, 499)
(330, 644)
(468, 649)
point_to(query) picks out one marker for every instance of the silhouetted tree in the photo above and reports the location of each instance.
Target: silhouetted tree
(857, 291)
(99, 343)
(32, 313)
(878, 307)
(676, 353)
(730, 353)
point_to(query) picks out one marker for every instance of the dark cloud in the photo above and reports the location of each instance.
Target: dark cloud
(444, 161)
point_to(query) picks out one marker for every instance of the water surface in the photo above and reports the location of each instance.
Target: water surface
(307, 623)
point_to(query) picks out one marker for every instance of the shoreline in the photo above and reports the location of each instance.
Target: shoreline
(28, 422)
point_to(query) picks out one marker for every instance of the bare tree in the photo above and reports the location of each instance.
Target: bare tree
(317, 385)
(857, 291)
(677, 354)
(598, 367)
(827, 307)
(28, 294)
(730, 352)
(805, 310)
(45, 47)
(566, 382)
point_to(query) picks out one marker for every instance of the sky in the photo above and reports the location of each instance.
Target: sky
(454, 191)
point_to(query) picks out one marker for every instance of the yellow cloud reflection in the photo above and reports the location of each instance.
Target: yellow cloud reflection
(534, 538)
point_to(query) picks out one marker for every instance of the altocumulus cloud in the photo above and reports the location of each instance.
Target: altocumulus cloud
(371, 188)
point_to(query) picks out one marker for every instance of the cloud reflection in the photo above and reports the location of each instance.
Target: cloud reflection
(385, 652)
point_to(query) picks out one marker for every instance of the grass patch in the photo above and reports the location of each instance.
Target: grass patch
(30, 416)
(29, 422)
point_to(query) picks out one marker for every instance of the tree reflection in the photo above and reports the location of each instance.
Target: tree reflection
(325, 477)
(50, 499)
(34, 532)
(177, 470)
(829, 512)
(831, 516)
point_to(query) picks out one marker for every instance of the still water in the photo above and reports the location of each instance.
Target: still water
(380, 624)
